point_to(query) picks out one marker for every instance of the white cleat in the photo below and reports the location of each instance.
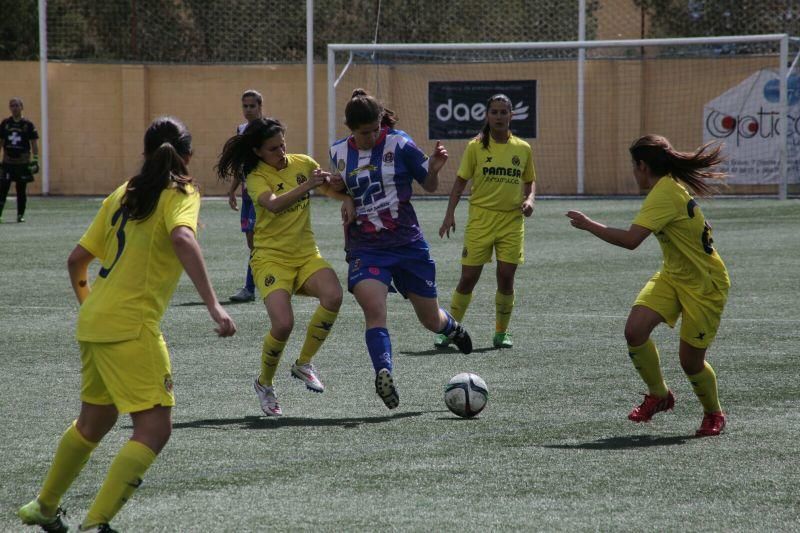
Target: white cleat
(308, 375)
(269, 402)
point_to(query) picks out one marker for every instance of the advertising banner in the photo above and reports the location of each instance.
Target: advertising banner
(745, 119)
(457, 109)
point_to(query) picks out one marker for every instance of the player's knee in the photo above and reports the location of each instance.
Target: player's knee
(635, 336)
(332, 302)
(281, 326)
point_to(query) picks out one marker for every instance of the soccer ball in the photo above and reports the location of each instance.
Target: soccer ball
(466, 394)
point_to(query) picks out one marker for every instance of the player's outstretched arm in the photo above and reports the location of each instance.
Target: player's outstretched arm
(449, 223)
(78, 268)
(630, 238)
(188, 251)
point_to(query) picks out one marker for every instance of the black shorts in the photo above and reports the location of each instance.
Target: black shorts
(19, 173)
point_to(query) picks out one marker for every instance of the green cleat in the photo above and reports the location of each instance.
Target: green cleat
(503, 340)
(31, 515)
(441, 341)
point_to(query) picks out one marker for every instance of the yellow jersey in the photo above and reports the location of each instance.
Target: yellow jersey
(497, 174)
(683, 233)
(287, 235)
(139, 269)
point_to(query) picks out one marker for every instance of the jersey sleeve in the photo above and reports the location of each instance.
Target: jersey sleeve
(94, 238)
(529, 173)
(416, 160)
(33, 133)
(467, 167)
(257, 185)
(657, 211)
(184, 209)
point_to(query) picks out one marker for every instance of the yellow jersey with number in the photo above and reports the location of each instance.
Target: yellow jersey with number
(683, 233)
(286, 235)
(497, 173)
(139, 269)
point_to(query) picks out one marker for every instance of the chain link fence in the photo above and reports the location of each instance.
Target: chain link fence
(259, 31)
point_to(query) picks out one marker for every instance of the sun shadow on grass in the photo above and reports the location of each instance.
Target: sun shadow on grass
(445, 351)
(624, 443)
(262, 422)
(196, 304)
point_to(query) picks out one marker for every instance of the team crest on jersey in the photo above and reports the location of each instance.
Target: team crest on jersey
(464, 252)
(168, 384)
(340, 165)
(515, 161)
(356, 264)
(388, 158)
(269, 280)
(301, 179)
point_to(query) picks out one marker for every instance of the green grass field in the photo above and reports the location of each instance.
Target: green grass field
(553, 451)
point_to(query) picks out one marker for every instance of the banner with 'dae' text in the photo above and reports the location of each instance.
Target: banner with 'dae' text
(746, 119)
(457, 109)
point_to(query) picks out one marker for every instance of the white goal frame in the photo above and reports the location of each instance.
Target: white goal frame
(781, 38)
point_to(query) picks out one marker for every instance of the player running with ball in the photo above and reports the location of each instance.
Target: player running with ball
(386, 250)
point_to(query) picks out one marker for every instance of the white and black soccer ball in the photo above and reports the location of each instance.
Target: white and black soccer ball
(466, 394)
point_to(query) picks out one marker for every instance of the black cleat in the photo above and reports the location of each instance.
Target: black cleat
(461, 339)
(384, 386)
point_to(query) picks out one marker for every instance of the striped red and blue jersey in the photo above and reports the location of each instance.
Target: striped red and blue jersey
(379, 180)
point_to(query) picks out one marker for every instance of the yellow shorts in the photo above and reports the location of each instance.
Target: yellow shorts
(270, 275)
(134, 375)
(500, 231)
(701, 310)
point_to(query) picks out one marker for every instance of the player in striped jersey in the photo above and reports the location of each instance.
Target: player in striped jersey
(386, 250)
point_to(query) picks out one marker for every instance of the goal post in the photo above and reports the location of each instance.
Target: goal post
(590, 99)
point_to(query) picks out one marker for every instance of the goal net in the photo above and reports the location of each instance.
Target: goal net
(581, 104)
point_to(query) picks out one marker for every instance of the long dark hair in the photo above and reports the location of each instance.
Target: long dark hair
(167, 146)
(483, 136)
(238, 158)
(365, 109)
(692, 168)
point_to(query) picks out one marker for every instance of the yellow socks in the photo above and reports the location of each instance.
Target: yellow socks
(645, 359)
(124, 477)
(71, 455)
(459, 304)
(503, 304)
(704, 384)
(318, 330)
(270, 357)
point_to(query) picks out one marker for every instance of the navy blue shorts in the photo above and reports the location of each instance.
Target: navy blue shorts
(409, 268)
(248, 213)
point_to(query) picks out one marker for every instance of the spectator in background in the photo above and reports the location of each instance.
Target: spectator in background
(18, 139)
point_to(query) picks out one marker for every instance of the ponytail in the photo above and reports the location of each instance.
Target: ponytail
(238, 158)
(692, 168)
(168, 145)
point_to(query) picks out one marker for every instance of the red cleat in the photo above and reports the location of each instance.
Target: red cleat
(650, 406)
(713, 424)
